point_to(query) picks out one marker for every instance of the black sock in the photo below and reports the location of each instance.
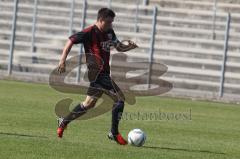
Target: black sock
(116, 116)
(78, 111)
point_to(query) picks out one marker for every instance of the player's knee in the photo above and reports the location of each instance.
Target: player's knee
(89, 103)
(119, 105)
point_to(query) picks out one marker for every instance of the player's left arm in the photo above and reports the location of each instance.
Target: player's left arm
(121, 47)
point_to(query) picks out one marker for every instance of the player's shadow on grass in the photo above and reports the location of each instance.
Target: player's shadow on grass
(182, 149)
(21, 135)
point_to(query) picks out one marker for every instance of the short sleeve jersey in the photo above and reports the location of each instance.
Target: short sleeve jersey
(96, 44)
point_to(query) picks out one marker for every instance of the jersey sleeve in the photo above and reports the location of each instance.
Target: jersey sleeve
(80, 37)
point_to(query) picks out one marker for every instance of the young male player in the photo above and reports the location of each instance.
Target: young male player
(97, 40)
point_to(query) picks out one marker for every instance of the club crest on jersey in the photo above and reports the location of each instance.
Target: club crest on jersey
(106, 45)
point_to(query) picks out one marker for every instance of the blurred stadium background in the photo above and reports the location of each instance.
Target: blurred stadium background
(197, 40)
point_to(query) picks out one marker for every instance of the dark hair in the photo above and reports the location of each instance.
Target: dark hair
(104, 13)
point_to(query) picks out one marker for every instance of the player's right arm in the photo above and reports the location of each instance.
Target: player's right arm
(66, 50)
(80, 37)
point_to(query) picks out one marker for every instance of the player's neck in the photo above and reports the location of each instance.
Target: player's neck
(98, 26)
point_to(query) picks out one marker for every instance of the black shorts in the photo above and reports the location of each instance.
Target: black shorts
(104, 84)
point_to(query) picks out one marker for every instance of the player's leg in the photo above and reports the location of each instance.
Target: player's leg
(78, 111)
(118, 107)
(117, 111)
(117, 95)
(93, 94)
(116, 117)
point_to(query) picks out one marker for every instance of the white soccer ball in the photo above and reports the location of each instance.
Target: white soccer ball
(136, 137)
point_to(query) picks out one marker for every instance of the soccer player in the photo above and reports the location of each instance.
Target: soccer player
(97, 40)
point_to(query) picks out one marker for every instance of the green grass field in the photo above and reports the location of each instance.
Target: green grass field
(28, 128)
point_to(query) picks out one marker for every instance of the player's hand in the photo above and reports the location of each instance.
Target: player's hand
(132, 45)
(123, 47)
(61, 67)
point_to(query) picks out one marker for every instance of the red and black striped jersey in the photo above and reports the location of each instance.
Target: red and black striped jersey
(97, 45)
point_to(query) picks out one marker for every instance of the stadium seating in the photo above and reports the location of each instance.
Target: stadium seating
(183, 40)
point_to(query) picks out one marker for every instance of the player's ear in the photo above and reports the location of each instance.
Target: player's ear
(100, 20)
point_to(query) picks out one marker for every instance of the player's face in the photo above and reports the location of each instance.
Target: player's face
(106, 23)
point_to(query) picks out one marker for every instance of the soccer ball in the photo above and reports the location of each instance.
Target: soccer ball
(136, 137)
